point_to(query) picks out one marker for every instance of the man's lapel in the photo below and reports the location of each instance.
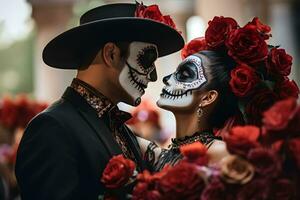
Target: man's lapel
(90, 116)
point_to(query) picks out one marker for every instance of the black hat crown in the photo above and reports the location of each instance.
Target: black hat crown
(108, 12)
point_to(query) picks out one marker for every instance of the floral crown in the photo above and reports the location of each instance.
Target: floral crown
(260, 76)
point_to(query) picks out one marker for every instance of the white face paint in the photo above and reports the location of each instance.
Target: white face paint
(139, 69)
(179, 86)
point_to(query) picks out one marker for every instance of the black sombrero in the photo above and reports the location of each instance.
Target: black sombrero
(109, 23)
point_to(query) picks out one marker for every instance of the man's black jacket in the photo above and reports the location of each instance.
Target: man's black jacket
(64, 151)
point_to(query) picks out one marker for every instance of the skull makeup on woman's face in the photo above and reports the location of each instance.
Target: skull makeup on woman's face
(139, 69)
(179, 86)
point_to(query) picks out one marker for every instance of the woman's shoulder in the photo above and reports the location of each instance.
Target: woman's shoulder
(217, 151)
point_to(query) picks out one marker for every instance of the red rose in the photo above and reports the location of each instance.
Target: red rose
(169, 21)
(260, 102)
(8, 113)
(243, 80)
(25, 111)
(255, 190)
(266, 162)
(218, 30)
(261, 28)
(241, 139)
(287, 89)
(294, 150)
(117, 172)
(153, 12)
(143, 191)
(280, 114)
(281, 121)
(182, 182)
(216, 190)
(149, 12)
(282, 189)
(246, 45)
(110, 197)
(279, 62)
(146, 188)
(194, 46)
(195, 153)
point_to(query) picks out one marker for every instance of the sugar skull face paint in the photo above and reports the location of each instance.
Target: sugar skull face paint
(139, 69)
(179, 86)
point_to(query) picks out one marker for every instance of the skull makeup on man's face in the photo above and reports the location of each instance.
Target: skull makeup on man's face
(139, 69)
(179, 86)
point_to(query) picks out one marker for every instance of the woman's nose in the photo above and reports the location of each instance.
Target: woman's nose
(165, 79)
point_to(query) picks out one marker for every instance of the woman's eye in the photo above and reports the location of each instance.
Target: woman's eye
(185, 73)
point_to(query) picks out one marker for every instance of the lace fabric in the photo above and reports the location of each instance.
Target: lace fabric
(172, 155)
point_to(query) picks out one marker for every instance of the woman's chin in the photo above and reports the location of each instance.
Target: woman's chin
(164, 104)
(169, 105)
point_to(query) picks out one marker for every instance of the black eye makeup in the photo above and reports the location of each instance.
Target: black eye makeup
(187, 72)
(147, 57)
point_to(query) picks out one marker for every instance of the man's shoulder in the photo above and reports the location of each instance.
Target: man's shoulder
(60, 112)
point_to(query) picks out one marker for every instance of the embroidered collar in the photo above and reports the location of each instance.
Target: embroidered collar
(95, 99)
(101, 104)
(204, 137)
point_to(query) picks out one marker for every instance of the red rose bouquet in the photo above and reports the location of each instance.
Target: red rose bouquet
(263, 163)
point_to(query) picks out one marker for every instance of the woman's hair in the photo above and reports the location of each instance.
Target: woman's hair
(218, 74)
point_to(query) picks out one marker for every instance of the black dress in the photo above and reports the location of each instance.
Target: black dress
(172, 155)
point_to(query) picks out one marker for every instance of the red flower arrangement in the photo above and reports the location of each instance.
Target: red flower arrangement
(16, 113)
(153, 12)
(255, 169)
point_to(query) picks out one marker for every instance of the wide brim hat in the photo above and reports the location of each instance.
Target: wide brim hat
(78, 46)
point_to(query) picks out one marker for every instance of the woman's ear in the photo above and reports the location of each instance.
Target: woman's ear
(209, 98)
(109, 52)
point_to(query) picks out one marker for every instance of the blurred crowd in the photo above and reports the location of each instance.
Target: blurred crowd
(15, 114)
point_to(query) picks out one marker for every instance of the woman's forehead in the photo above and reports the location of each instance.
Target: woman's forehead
(198, 59)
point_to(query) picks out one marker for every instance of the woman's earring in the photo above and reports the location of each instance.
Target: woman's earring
(199, 112)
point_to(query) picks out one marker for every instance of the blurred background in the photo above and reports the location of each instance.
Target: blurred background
(26, 26)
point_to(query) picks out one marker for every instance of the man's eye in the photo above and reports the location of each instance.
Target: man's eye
(147, 57)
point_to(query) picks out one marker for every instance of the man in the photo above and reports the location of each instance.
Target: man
(65, 149)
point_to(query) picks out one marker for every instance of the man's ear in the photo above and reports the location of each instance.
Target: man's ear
(109, 52)
(209, 98)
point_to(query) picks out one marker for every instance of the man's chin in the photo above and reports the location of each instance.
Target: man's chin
(132, 101)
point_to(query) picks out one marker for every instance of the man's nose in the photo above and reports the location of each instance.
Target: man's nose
(165, 79)
(153, 76)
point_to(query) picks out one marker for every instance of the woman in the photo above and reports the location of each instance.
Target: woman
(231, 73)
(199, 96)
